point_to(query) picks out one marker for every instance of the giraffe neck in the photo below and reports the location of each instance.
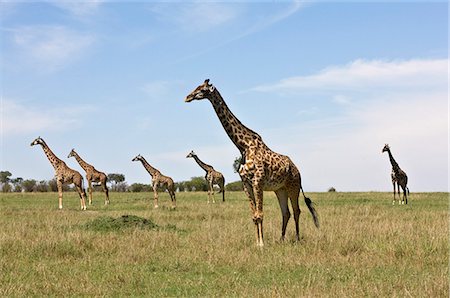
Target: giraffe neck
(393, 162)
(151, 170)
(54, 160)
(239, 134)
(203, 165)
(82, 163)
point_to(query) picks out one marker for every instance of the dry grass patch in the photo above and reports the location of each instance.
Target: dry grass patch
(365, 247)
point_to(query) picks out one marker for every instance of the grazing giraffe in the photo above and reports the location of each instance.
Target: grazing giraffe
(398, 176)
(261, 168)
(212, 177)
(158, 179)
(63, 174)
(92, 175)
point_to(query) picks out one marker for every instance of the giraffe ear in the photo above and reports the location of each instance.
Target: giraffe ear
(212, 88)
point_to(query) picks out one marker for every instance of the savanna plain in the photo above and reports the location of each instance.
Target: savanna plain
(365, 246)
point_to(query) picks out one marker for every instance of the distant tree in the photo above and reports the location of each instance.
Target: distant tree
(53, 186)
(17, 182)
(139, 187)
(198, 184)
(115, 179)
(234, 186)
(237, 164)
(6, 187)
(29, 185)
(121, 187)
(4, 176)
(332, 189)
(179, 186)
(42, 186)
(4, 180)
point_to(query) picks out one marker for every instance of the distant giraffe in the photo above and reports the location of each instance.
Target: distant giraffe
(158, 179)
(398, 176)
(212, 177)
(63, 174)
(92, 175)
(261, 168)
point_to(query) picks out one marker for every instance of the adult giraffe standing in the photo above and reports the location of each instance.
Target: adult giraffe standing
(398, 177)
(212, 177)
(261, 168)
(63, 174)
(92, 175)
(158, 180)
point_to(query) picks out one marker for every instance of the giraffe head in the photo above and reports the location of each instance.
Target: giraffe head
(38, 141)
(191, 154)
(385, 148)
(72, 153)
(137, 158)
(201, 92)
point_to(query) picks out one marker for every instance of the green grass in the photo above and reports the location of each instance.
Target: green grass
(364, 247)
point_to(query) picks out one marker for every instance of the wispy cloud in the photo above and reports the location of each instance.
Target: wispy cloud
(197, 16)
(405, 104)
(50, 48)
(78, 8)
(363, 75)
(17, 118)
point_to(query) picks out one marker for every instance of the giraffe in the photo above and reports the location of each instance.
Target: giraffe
(63, 174)
(261, 168)
(398, 177)
(92, 175)
(158, 179)
(212, 177)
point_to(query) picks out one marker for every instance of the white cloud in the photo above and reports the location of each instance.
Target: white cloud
(367, 75)
(407, 107)
(18, 118)
(78, 8)
(197, 16)
(49, 48)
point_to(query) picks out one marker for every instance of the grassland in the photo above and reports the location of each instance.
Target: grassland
(364, 247)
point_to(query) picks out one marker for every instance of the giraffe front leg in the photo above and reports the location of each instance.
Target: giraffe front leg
(155, 194)
(60, 193)
(90, 191)
(248, 189)
(211, 190)
(393, 184)
(398, 192)
(258, 216)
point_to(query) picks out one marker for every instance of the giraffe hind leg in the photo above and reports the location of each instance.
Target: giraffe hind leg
(82, 195)
(105, 190)
(60, 194)
(283, 202)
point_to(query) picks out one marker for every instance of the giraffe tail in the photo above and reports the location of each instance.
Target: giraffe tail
(311, 208)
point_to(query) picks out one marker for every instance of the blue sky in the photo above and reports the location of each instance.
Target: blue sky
(327, 83)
